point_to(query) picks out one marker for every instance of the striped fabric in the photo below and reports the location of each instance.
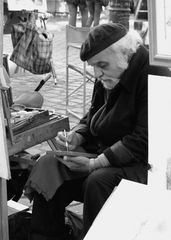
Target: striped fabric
(32, 48)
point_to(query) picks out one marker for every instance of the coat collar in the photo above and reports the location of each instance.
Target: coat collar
(137, 62)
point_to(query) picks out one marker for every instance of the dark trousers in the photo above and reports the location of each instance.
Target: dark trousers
(48, 216)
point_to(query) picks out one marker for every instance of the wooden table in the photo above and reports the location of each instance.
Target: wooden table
(36, 135)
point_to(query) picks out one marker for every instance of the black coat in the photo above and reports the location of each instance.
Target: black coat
(120, 128)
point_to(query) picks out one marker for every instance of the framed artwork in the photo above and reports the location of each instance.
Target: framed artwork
(159, 16)
(29, 5)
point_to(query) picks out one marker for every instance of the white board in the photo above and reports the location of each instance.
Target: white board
(159, 121)
(4, 161)
(29, 5)
(134, 212)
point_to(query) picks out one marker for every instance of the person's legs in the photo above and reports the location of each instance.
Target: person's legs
(97, 188)
(90, 5)
(72, 14)
(84, 14)
(48, 220)
(97, 12)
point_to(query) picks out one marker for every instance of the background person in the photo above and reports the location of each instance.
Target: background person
(73, 7)
(95, 9)
(115, 128)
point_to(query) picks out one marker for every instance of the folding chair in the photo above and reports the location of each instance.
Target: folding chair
(75, 36)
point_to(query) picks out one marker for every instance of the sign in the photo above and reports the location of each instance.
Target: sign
(29, 5)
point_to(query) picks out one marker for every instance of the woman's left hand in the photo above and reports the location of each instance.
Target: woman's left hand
(77, 164)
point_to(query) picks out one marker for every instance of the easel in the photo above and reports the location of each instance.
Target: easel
(4, 211)
(3, 191)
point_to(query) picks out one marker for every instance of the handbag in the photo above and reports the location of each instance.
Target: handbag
(17, 32)
(32, 48)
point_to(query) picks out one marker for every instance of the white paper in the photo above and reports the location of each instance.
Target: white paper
(159, 122)
(4, 161)
(134, 212)
(3, 78)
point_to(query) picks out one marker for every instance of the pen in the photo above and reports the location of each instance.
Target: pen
(66, 142)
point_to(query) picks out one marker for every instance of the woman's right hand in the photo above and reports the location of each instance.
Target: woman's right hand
(74, 139)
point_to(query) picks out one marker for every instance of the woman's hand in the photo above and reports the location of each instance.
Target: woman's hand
(74, 139)
(77, 164)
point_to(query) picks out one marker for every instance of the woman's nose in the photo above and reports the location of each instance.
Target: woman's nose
(97, 72)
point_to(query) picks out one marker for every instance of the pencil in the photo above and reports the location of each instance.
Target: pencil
(66, 142)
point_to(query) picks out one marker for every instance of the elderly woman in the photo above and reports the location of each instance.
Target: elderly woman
(115, 128)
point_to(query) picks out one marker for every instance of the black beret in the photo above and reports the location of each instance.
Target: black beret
(100, 38)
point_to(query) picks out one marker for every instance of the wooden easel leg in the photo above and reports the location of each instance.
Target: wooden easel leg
(4, 235)
(52, 144)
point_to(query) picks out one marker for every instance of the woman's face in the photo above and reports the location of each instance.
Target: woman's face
(108, 65)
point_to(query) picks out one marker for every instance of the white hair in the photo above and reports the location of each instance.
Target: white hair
(129, 43)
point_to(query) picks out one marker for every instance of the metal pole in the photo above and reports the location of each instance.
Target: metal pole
(119, 11)
(3, 191)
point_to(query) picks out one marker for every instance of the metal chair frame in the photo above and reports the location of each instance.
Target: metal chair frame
(75, 36)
